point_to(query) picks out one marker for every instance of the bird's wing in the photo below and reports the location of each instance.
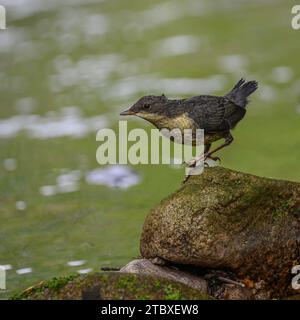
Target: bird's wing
(233, 114)
(209, 113)
(213, 113)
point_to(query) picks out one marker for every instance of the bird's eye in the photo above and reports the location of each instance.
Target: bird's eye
(147, 106)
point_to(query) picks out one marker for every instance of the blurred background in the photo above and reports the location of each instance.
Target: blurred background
(68, 68)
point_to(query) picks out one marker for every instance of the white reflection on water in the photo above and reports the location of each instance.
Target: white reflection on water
(48, 190)
(282, 74)
(65, 183)
(233, 63)
(25, 8)
(76, 263)
(115, 176)
(89, 72)
(24, 271)
(67, 123)
(10, 164)
(25, 105)
(165, 12)
(132, 86)
(6, 266)
(21, 205)
(177, 45)
(84, 271)
(266, 93)
(68, 182)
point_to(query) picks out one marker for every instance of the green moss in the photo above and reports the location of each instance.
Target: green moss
(157, 283)
(172, 293)
(283, 209)
(57, 283)
(277, 214)
(104, 277)
(112, 285)
(143, 297)
(127, 281)
(53, 284)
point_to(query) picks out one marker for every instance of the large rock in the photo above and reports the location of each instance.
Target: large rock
(225, 219)
(110, 286)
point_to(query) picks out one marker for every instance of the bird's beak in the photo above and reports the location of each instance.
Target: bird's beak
(127, 112)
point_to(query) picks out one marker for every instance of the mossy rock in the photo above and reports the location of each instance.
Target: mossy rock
(110, 285)
(224, 219)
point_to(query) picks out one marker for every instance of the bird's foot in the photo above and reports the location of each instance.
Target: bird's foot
(206, 165)
(208, 156)
(191, 163)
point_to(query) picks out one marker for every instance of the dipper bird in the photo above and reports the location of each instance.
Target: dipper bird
(217, 116)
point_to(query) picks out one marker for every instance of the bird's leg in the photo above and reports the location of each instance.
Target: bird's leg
(192, 163)
(207, 153)
(228, 140)
(206, 149)
(186, 178)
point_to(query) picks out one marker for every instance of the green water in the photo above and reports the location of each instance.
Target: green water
(54, 60)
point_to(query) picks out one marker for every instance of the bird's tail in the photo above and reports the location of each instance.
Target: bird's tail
(238, 95)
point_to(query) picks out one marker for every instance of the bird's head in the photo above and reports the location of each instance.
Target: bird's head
(150, 108)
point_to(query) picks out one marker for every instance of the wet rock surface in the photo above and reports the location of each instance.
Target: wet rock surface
(229, 220)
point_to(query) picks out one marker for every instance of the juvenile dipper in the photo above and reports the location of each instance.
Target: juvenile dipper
(215, 115)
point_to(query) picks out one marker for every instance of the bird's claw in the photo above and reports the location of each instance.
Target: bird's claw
(186, 178)
(212, 158)
(191, 163)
